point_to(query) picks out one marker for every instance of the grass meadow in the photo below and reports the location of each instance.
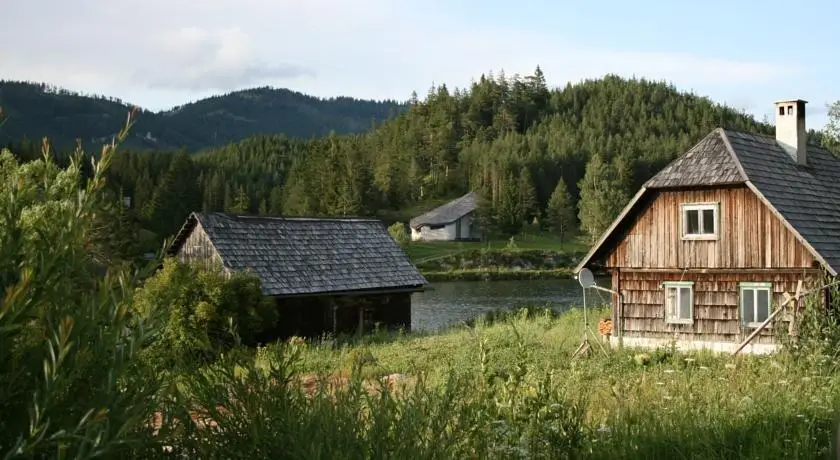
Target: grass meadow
(509, 388)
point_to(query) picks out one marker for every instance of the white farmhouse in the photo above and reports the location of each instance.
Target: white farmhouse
(451, 222)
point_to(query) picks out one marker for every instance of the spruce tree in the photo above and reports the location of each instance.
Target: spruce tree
(602, 196)
(560, 211)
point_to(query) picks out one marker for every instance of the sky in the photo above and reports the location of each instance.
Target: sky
(162, 53)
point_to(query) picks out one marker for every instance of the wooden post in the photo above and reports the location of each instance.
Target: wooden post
(788, 300)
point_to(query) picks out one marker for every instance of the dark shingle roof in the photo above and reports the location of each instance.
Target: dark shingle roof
(707, 163)
(295, 256)
(448, 213)
(806, 197)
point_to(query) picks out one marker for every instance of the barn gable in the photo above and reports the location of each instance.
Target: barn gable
(301, 256)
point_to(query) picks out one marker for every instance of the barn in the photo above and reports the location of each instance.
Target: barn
(706, 250)
(327, 275)
(453, 221)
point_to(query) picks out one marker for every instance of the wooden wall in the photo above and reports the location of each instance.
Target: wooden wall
(750, 235)
(198, 249)
(716, 303)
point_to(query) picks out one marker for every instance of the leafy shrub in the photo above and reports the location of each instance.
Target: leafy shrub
(399, 234)
(67, 342)
(203, 312)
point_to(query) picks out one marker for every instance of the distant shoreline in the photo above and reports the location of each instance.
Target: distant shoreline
(503, 274)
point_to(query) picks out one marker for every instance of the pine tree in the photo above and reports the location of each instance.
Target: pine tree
(241, 203)
(602, 196)
(560, 212)
(526, 195)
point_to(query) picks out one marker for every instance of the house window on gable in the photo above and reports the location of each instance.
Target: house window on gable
(436, 227)
(755, 300)
(679, 302)
(700, 221)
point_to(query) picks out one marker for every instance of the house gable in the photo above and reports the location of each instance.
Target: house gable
(749, 235)
(804, 199)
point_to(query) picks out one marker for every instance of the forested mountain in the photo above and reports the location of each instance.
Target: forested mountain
(37, 110)
(510, 139)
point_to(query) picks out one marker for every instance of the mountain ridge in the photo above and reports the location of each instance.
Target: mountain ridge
(36, 110)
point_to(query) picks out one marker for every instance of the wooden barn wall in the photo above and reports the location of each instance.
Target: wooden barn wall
(750, 235)
(716, 304)
(198, 249)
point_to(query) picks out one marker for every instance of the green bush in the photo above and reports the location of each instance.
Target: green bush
(68, 384)
(203, 312)
(399, 234)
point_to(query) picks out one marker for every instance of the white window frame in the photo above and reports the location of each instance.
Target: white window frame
(678, 285)
(755, 286)
(700, 207)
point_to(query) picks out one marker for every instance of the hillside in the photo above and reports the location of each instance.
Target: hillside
(510, 139)
(37, 110)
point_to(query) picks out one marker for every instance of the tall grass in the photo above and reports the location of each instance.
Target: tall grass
(623, 403)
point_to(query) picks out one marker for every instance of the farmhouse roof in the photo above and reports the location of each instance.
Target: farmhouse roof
(447, 213)
(805, 197)
(300, 256)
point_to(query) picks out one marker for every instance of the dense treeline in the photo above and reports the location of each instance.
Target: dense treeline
(513, 140)
(35, 110)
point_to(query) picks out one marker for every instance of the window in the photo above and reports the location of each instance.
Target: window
(781, 110)
(790, 110)
(679, 302)
(436, 227)
(700, 221)
(755, 303)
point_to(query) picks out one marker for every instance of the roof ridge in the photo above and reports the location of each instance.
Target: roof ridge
(725, 138)
(293, 218)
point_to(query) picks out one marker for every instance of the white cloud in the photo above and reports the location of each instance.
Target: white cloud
(159, 53)
(196, 60)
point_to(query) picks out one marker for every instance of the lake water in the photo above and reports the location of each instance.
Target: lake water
(449, 303)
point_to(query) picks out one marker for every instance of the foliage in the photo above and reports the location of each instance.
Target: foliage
(602, 196)
(559, 211)
(399, 234)
(206, 312)
(831, 139)
(68, 343)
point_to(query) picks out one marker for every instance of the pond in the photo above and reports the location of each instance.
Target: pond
(448, 303)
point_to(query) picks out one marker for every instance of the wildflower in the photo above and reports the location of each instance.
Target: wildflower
(729, 366)
(660, 383)
(669, 371)
(783, 382)
(689, 360)
(704, 368)
(603, 429)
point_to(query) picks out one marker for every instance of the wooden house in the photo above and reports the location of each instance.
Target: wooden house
(452, 221)
(327, 275)
(706, 249)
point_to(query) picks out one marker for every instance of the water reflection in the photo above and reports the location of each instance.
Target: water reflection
(451, 302)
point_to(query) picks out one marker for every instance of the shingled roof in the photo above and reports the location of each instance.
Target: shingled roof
(295, 256)
(447, 213)
(806, 198)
